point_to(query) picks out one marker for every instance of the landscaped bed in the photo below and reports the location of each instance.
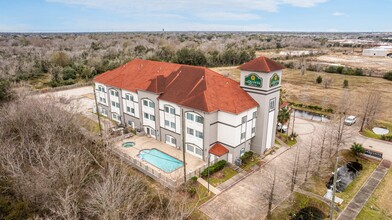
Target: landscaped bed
(379, 205)
(317, 183)
(221, 176)
(299, 205)
(368, 132)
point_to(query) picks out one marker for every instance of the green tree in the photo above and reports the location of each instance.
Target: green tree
(319, 79)
(283, 115)
(191, 57)
(5, 90)
(357, 148)
(388, 75)
(68, 73)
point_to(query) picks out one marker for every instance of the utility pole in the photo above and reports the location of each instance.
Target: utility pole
(183, 142)
(335, 175)
(208, 178)
(292, 130)
(97, 110)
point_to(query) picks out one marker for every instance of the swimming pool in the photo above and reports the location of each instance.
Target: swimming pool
(161, 160)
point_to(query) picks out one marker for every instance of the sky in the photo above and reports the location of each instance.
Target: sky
(195, 15)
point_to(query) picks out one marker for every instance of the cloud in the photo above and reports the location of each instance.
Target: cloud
(339, 14)
(226, 16)
(128, 6)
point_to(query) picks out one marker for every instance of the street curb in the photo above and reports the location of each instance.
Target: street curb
(374, 139)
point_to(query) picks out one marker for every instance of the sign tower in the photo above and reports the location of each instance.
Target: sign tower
(261, 79)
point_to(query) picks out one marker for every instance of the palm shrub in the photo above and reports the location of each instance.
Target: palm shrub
(357, 148)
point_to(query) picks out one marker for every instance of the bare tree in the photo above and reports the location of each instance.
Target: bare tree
(295, 169)
(327, 81)
(271, 196)
(323, 139)
(309, 159)
(371, 103)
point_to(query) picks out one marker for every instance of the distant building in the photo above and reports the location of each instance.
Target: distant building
(381, 51)
(195, 107)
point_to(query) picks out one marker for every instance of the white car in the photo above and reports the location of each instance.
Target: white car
(350, 120)
(281, 128)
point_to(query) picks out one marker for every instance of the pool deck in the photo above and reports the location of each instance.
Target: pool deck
(143, 142)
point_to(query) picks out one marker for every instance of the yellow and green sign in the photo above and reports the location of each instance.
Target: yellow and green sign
(253, 80)
(274, 81)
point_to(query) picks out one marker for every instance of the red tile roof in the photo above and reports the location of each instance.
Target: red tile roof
(191, 86)
(261, 64)
(218, 150)
(284, 104)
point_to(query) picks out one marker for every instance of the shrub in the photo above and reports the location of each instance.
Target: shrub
(192, 191)
(5, 90)
(388, 75)
(214, 168)
(357, 148)
(319, 79)
(193, 179)
(68, 73)
(331, 69)
(345, 83)
(247, 155)
(358, 72)
(386, 137)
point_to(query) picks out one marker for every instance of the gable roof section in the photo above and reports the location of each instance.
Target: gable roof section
(261, 64)
(191, 86)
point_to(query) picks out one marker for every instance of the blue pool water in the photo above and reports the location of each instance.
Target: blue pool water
(161, 160)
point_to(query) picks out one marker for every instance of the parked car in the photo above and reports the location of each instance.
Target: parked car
(350, 120)
(281, 128)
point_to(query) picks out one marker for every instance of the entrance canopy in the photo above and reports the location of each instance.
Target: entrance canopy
(218, 150)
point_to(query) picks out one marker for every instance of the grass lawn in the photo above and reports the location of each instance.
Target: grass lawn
(283, 137)
(247, 164)
(198, 199)
(316, 183)
(379, 205)
(384, 124)
(295, 203)
(221, 176)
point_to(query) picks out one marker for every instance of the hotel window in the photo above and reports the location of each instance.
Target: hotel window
(172, 125)
(253, 130)
(171, 140)
(254, 114)
(199, 134)
(146, 116)
(243, 120)
(149, 103)
(190, 131)
(199, 119)
(116, 117)
(129, 97)
(189, 116)
(242, 135)
(167, 123)
(272, 104)
(190, 148)
(198, 151)
(113, 93)
(130, 110)
(152, 117)
(101, 89)
(170, 110)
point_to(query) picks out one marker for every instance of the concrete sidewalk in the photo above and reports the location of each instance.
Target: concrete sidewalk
(205, 184)
(362, 196)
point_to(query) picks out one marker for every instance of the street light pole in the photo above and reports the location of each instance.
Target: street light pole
(334, 189)
(97, 110)
(208, 170)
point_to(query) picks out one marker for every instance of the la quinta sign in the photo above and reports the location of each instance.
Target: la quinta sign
(274, 81)
(253, 80)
